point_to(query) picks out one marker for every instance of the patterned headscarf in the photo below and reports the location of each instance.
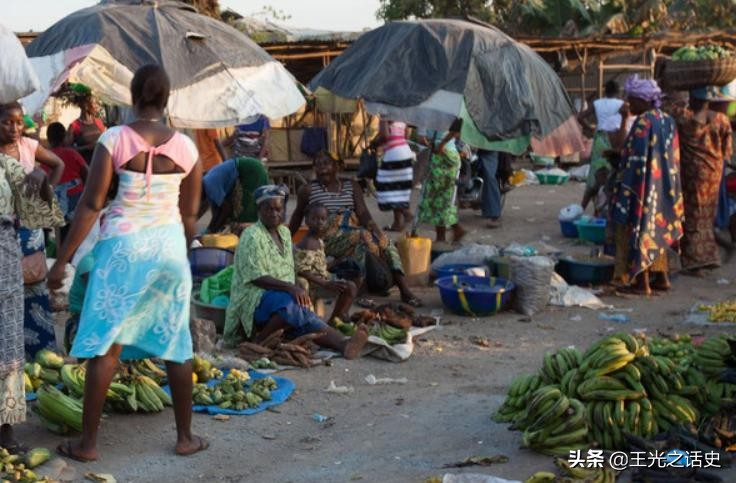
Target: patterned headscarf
(644, 89)
(269, 192)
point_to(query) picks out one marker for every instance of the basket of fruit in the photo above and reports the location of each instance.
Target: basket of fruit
(692, 67)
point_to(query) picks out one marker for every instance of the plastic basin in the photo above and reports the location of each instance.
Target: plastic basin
(545, 178)
(592, 230)
(461, 269)
(475, 296)
(205, 311)
(207, 261)
(586, 270)
(568, 229)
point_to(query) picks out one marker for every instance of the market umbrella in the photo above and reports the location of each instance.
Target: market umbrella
(219, 76)
(429, 72)
(17, 78)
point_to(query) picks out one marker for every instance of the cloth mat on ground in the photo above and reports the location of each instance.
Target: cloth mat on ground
(284, 389)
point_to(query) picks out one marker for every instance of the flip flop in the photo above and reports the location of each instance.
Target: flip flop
(65, 450)
(203, 445)
(366, 303)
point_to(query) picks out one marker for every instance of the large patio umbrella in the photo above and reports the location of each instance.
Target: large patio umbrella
(429, 72)
(17, 78)
(219, 76)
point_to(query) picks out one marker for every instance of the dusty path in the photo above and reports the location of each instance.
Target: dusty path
(398, 433)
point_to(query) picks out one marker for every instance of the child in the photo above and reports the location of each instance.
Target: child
(311, 265)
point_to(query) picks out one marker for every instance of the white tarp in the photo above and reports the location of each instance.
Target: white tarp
(17, 78)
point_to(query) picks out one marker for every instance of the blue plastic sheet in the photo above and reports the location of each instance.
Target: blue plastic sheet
(284, 389)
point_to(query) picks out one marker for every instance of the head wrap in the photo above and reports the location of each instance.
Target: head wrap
(269, 192)
(644, 89)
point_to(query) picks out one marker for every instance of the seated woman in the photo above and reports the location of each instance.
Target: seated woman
(351, 232)
(228, 189)
(311, 265)
(264, 290)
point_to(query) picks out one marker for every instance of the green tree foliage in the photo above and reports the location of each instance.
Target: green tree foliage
(406, 9)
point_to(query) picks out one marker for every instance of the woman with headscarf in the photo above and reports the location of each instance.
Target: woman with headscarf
(264, 290)
(39, 320)
(84, 131)
(14, 182)
(646, 207)
(138, 293)
(705, 142)
(351, 232)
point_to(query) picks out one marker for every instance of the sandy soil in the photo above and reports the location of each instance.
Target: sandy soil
(400, 433)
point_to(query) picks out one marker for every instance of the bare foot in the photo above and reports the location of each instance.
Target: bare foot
(493, 223)
(73, 450)
(194, 445)
(355, 344)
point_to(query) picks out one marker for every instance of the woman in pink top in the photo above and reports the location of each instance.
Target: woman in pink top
(138, 294)
(395, 175)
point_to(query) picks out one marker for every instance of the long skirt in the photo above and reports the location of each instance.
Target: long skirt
(301, 320)
(138, 297)
(700, 186)
(39, 319)
(394, 181)
(12, 388)
(623, 259)
(438, 207)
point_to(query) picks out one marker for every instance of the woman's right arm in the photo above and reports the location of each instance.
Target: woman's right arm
(302, 200)
(88, 211)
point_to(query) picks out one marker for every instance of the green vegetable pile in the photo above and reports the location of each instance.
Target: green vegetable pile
(704, 52)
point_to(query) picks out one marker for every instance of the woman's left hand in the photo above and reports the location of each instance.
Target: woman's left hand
(55, 278)
(33, 182)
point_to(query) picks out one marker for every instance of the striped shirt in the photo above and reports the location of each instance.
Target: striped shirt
(334, 202)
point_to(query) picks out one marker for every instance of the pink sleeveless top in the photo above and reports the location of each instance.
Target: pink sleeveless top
(395, 147)
(145, 200)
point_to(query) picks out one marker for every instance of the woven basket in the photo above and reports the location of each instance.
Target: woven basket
(685, 75)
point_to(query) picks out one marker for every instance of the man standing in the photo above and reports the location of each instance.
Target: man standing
(491, 196)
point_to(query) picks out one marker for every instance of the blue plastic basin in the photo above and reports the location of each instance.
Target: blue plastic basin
(475, 296)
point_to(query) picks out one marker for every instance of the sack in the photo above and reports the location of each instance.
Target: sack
(368, 168)
(533, 278)
(378, 276)
(34, 268)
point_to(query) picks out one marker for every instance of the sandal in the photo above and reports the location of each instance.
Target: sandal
(203, 445)
(366, 303)
(65, 450)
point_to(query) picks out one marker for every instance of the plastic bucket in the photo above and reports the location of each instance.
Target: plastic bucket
(568, 228)
(227, 241)
(416, 254)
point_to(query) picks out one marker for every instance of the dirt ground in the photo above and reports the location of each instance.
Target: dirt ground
(400, 433)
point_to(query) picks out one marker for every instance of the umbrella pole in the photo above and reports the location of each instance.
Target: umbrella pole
(415, 222)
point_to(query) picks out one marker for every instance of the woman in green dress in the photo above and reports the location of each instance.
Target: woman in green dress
(438, 206)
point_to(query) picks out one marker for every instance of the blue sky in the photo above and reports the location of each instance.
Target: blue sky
(345, 15)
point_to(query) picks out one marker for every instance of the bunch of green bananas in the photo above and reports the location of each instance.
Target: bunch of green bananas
(516, 400)
(129, 392)
(392, 335)
(204, 369)
(234, 393)
(18, 469)
(710, 357)
(574, 474)
(677, 347)
(146, 367)
(556, 366)
(57, 411)
(45, 368)
(704, 52)
(552, 423)
(720, 312)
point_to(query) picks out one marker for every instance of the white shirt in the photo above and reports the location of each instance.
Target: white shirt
(607, 111)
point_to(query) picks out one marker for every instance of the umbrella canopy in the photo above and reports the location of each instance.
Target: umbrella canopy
(219, 76)
(17, 78)
(429, 72)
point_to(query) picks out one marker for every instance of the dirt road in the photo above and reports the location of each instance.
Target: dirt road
(399, 433)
